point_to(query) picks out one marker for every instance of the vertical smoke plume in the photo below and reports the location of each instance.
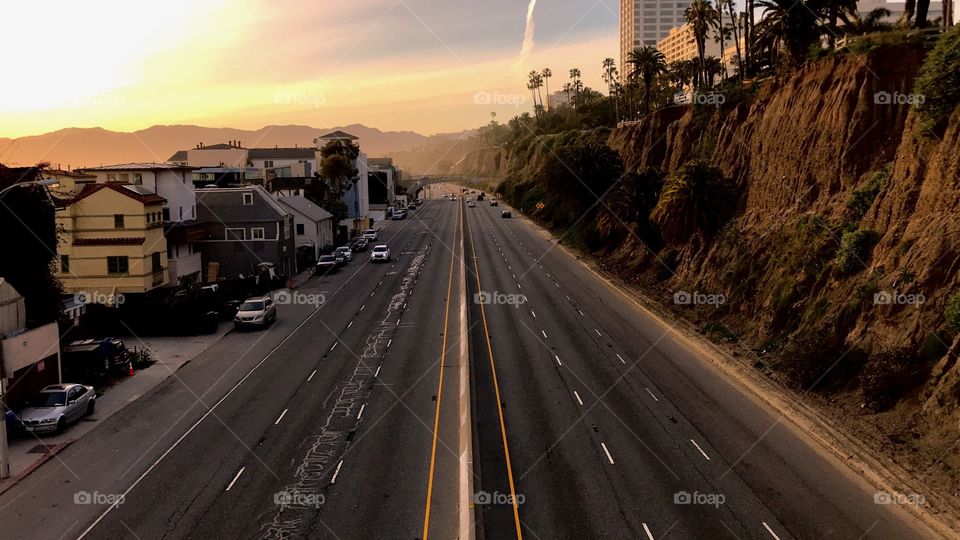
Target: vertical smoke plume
(527, 36)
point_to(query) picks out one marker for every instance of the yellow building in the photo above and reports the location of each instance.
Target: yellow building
(680, 44)
(112, 242)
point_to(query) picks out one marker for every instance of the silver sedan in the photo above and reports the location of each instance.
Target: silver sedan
(57, 406)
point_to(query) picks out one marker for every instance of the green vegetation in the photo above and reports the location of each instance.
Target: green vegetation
(862, 199)
(697, 199)
(855, 249)
(888, 375)
(939, 80)
(952, 311)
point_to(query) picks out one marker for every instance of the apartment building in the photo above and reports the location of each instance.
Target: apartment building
(646, 22)
(680, 44)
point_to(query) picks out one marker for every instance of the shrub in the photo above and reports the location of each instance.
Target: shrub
(855, 249)
(939, 80)
(952, 312)
(862, 199)
(815, 360)
(888, 375)
(698, 198)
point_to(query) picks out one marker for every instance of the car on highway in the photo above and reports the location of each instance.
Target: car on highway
(471, 203)
(256, 312)
(506, 214)
(345, 252)
(359, 245)
(399, 214)
(493, 202)
(380, 253)
(327, 264)
(57, 406)
(371, 235)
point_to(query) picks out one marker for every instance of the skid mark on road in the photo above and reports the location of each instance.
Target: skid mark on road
(327, 449)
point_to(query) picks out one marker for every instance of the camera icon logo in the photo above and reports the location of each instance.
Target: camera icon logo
(482, 497)
(882, 98)
(882, 497)
(682, 298)
(82, 497)
(483, 98)
(282, 297)
(682, 497)
(882, 298)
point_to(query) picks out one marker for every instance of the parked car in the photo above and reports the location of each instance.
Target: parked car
(359, 245)
(339, 258)
(371, 235)
(89, 361)
(256, 312)
(326, 265)
(493, 202)
(399, 214)
(411, 206)
(506, 214)
(380, 253)
(57, 406)
(345, 252)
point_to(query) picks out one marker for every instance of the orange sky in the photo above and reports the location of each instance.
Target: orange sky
(423, 65)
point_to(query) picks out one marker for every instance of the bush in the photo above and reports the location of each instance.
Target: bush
(698, 198)
(855, 249)
(939, 80)
(888, 375)
(862, 199)
(952, 312)
(815, 360)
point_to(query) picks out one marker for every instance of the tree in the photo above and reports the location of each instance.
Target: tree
(721, 33)
(338, 172)
(701, 16)
(697, 199)
(735, 31)
(712, 68)
(577, 85)
(610, 77)
(546, 74)
(856, 24)
(786, 27)
(647, 62)
(630, 203)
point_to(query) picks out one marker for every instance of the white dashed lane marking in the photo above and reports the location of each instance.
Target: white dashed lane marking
(310, 378)
(651, 394)
(576, 395)
(700, 449)
(279, 418)
(235, 478)
(609, 457)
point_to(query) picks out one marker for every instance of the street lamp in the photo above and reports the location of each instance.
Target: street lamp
(40, 182)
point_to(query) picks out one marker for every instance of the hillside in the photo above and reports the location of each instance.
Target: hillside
(76, 147)
(822, 224)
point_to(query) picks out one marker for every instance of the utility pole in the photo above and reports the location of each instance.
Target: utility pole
(4, 456)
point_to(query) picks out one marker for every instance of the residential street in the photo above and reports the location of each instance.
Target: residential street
(590, 420)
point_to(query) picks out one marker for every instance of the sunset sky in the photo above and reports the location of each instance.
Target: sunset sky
(392, 64)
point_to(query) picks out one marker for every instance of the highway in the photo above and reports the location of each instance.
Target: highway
(348, 419)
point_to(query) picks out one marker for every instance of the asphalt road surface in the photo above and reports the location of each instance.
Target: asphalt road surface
(344, 419)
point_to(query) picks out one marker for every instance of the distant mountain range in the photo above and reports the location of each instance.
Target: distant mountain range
(87, 147)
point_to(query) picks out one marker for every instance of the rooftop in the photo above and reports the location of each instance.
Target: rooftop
(139, 166)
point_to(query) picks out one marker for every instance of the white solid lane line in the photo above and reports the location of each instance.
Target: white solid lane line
(647, 530)
(279, 418)
(580, 401)
(769, 530)
(651, 394)
(311, 376)
(621, 359)
(700, 449)
(360, 414)
(609, 457)
(234, 481)
(336, 472)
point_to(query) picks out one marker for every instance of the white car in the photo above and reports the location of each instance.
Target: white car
(380, 253)
(371, 235)
(471, 203)
(346, 252)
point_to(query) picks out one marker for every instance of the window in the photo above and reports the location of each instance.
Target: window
(64, 263)
(268, 164)
(248, 198)
(111, 177)
(300, 228)
(118, 221)
(236, 234)
(125, 177)
(137, 179)
(166, 214)
(256, 233)
(155, 261)
(117, 265)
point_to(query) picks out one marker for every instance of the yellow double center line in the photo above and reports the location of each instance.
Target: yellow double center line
(496, 389)
(443, 357)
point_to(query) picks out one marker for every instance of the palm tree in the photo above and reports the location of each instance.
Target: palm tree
(532, 86)
(647, 63)
(577, 85)
(785, 27)
(700, 15)
(857, 24)
(830, 11)
(630, 203)
(735, 31)
(546, 74)
(698, 198)
(720, 34)
(610, 77)
(712, 68)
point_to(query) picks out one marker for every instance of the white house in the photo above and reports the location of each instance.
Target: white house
(313, 225)
(181, 225)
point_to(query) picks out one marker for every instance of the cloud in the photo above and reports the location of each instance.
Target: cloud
(528, 36)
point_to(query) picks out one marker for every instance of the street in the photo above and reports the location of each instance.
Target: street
(344, 419)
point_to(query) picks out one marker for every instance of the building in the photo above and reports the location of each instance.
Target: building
(864, 7)
(29, 357)
(680, 44)
(646, 22)
(357, 195)
(230, 154)
(112, 244)
(382, 181)
(313, 228)
(175, 184)
(559, 99)
(246, 227)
